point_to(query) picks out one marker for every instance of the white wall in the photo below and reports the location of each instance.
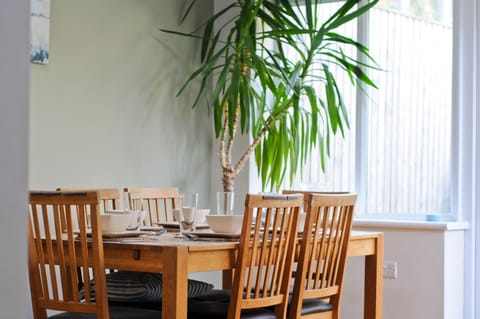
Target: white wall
(104, 111)
(430, 272)
(14, 73)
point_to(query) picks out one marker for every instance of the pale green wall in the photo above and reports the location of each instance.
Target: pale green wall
(104, 111)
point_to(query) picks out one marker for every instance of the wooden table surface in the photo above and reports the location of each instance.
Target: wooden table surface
(176, 257)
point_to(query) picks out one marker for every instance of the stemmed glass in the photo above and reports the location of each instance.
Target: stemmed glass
(188, 212)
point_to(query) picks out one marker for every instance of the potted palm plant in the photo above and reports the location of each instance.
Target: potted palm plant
(289, 106)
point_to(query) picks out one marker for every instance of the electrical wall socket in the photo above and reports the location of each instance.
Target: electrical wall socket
(390, 269)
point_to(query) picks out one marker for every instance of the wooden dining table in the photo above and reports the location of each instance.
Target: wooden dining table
(177, 257)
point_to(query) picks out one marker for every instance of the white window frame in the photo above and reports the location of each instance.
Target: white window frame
(361, 133)
(465, 148)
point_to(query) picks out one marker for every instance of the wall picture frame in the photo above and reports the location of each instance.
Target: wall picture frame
(40, 31)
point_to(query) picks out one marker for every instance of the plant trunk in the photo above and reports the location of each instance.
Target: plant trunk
(228, 179)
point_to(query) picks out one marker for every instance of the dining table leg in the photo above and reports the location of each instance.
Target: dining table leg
(373, 290)
(227, 279)
(175, 283)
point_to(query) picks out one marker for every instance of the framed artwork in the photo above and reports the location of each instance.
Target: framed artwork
(40, 31)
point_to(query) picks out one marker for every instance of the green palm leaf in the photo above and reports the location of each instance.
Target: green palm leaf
(270, 92)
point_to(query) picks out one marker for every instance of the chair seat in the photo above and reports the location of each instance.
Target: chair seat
(216, 295)
(219, 310)
(310, 306)
(116, 312)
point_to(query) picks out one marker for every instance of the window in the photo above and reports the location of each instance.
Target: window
(397, 153)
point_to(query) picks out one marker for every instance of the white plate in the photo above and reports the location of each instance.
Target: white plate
(126, 233)
(151, 228)
(176, 225)
(212, 234)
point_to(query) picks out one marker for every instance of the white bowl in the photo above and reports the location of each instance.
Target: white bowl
(231, 224)
(116, 211)
(201, 215)
(115, 222)
(136, 216)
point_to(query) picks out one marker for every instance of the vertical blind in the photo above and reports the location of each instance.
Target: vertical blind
(408, 123)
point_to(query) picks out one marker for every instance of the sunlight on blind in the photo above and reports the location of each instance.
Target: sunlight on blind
(410, 116)
(409, 121)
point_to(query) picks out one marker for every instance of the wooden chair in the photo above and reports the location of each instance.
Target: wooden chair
(305, 197)
(157, 202)
(264, 263)
(54, 282)
(109, 197)
(322, 257)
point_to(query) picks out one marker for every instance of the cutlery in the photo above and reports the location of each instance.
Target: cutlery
(153, 236)
(213, 239)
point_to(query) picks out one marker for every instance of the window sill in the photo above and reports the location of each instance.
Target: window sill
(406, 224)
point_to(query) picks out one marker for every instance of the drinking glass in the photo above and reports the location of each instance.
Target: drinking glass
(188, 212)
(225, 201)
